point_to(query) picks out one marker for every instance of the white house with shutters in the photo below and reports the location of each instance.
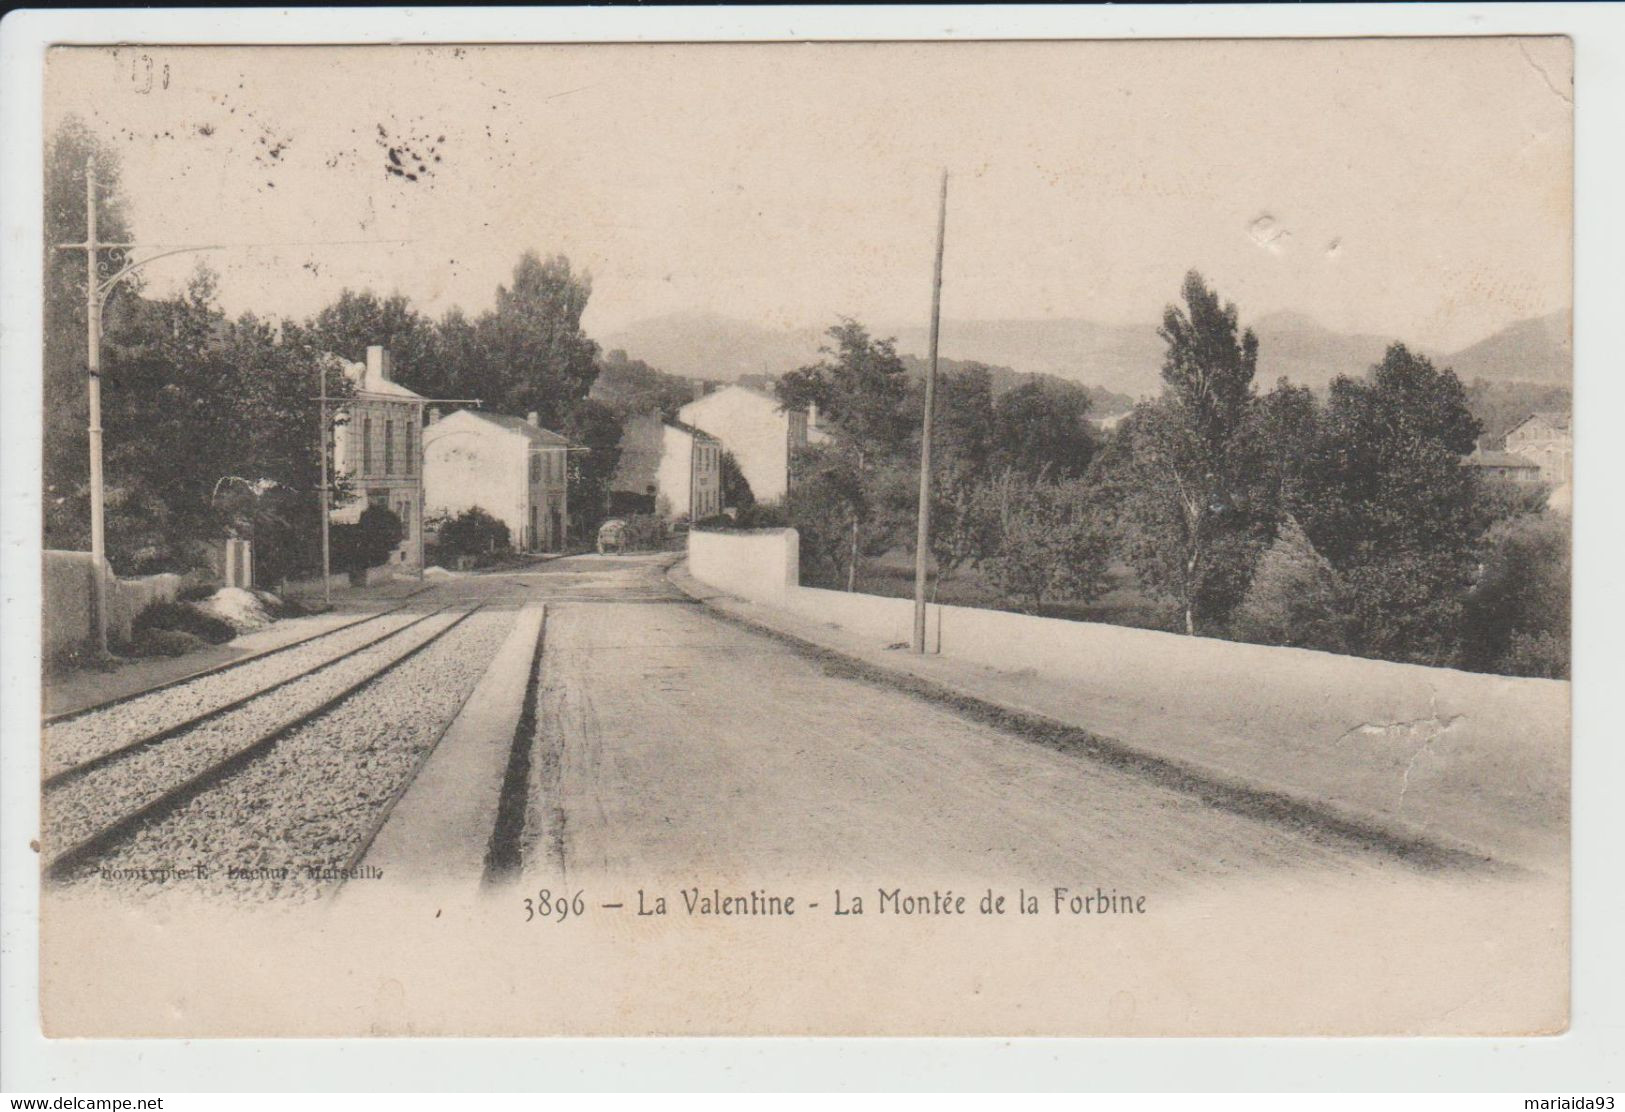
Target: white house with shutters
(513, 469)
(378, 451)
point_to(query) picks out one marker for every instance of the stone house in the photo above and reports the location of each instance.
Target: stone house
(672, 468)
(1546, 440)
(378, 449)
(513, 469)
(757, 428)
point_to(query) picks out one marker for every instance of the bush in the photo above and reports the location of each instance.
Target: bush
(474, 532)
(645, 533)
(180, 617)
(1295, 598)
(165, 642)
(1516, 618)
(366, 544)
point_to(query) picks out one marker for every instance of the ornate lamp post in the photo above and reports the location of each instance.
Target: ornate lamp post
(100, 279)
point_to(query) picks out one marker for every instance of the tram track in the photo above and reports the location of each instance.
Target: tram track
(73, 805)
(122, 750)
(66, 716)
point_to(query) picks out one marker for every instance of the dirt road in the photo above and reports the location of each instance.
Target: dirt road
(673, 742)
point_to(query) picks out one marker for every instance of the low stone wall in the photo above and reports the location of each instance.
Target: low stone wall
(758, 564)
(68, 589)
(1481, 761)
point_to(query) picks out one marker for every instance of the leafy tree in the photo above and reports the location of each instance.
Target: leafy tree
(1042, 428)
(533, 343)
(1045, 541)
(474, 532)
(1181, 483)
(66, 457)
(859, 386)
(827, 504)
(736, 492)
(596, 427)
(1386, 500)
(1516, 618)
(1295, 598)
(633, 386)
(360, 319)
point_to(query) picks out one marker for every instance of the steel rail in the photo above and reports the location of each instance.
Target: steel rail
(73, 772)
(62, 864)
(106, 704)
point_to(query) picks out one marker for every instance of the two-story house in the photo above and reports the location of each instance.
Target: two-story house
(1546, 440)
(378, 450)
(758, 429)
(675, 466)
(513, 469)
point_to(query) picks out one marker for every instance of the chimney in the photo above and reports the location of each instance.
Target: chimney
(380, 367)
(434, 414)
(812, 415)
(534, 419)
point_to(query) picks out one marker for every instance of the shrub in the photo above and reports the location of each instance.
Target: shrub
(474, 532)
(366, 544)
(181, 617)
(1295, 597)
(645, 533)
(1516, 618)
(165, 642)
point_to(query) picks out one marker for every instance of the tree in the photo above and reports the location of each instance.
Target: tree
(66, 456)
(1181, 485)
(633, 386)
(736, 492)
(1516, 618)
(1045, 541)
(474, 532)
(360, 319)
(1042, 428)
(538, 357)
(1386, 500)
(859, 387)
(596, 427)
(1295, 598)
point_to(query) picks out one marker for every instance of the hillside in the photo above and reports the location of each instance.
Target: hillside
(1539, 349)
(1118, 359)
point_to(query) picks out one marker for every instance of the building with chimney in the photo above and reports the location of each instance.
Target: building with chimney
(761, 433)
(513, 469)
(668, 468)
(378, 451)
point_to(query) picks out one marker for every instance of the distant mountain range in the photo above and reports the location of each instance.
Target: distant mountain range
(1119, 359)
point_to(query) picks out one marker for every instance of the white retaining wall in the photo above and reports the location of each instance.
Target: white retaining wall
(1479, 760)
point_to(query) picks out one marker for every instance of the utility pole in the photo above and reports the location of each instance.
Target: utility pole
(96, 294)
(922, 540)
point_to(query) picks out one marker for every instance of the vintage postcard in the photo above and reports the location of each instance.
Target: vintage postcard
(807, 538)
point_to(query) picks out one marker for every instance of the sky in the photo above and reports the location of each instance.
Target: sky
(1419, 188)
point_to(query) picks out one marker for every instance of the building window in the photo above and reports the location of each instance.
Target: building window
(366, 445)
(389, 447)
(410, 429)
(535, 469)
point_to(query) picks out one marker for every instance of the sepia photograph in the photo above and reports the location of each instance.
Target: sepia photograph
(1064, 538)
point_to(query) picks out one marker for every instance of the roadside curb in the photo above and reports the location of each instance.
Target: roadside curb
(1214, 786)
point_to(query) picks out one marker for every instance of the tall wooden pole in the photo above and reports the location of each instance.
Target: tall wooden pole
(922, 540)
(93, 363)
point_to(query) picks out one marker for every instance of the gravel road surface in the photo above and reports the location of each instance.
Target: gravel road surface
(672, 743)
